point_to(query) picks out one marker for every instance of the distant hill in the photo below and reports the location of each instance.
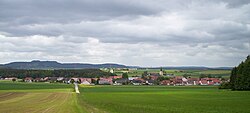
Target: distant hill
(36, 64)
(56, 65)
(1, 66)
(193, 68)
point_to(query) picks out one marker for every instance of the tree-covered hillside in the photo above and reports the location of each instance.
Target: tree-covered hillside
(21, 73)
(240, 76)
(36, 64)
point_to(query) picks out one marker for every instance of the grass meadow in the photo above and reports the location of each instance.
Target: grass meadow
(161, 99)
(37, 98)
(60, 98)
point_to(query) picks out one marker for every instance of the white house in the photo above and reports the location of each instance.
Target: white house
(85, 82)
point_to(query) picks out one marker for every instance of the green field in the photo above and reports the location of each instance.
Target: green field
(161, 99)
(37, 98)
(192, 73)
(60, 98)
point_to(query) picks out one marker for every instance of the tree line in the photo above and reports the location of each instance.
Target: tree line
(22, 73)
(240, 76)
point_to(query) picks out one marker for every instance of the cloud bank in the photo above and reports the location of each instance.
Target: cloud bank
(131, 32)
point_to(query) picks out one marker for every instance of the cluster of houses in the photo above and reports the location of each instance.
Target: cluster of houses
(152, 79)
(191, 81)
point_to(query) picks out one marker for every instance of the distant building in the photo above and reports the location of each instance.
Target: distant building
(165, 82)
(178, 81)
(117, 77)
(85, 79)
(203, 82)
(149, 82)
(161, 72)
(137, 81)
(210, 81)
(85, 83)
(121, 81)
(38, 79)
(28, 79)
(132, 78)
(105, 81)
(111, 70)
(192, 81)
(75, 79)
(10, 78)
(60, 79)
(154, 77)
(52, 79)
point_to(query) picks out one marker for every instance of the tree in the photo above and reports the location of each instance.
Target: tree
(144, 74)
(240, 76)
(22, 73)
(203, 76)
(186, 75)
(98, 79)
(209, 76)
(161, 78)
(13, 80)
(72, 81)
(233, 77)
(79, 81)
(225, 85)
(93, 81)
(125, 75)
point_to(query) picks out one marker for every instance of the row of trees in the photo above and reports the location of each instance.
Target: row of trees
(209, 76)
(90, 73)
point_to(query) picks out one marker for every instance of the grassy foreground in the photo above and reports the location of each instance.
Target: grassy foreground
(60, 98)
(37, 98)
(160, 99)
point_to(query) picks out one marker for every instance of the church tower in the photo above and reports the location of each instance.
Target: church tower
(111, 70)
(161, 72)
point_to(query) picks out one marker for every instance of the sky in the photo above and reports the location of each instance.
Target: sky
(209, 33)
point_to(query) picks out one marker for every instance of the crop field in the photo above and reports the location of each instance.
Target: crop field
(37, 98)
(162, 99)
(60, 98)
(197, 73)
(192, 73)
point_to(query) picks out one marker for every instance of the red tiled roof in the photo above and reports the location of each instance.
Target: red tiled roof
(165, 82)
(28, 78)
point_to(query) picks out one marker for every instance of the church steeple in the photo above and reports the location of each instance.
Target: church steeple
(161, 72)
(111, 70)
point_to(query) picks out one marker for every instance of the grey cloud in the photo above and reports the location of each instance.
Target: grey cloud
(161, 32)
(237, 3)
(29, 11)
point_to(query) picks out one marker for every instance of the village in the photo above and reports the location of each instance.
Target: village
(149, 79)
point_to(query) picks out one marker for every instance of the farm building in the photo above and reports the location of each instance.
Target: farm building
(165, 82)
(137, 81)
(149, 82)
(28, 79)
(122, 81)
(105, 81)
(192, 81)
(85, 83)
(132, 78)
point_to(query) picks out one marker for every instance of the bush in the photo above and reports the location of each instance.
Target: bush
(225, 85)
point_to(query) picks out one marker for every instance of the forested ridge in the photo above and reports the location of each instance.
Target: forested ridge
(22, 73)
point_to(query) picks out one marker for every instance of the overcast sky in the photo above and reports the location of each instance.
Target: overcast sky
(130, 32)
